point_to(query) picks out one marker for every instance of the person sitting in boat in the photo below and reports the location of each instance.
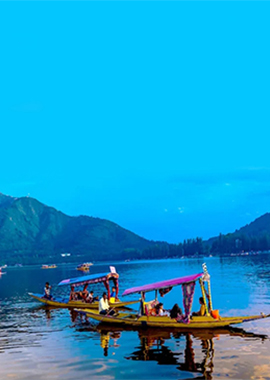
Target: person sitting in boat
(160, 311)
(84, 294)
(104, 307)
(176, 312)
(73, 294)
(113, 295)
(47, 291)
(90, 298)
(202, 310)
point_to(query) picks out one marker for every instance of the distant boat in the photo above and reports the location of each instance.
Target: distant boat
(85, 267)
(18, 265)
(52, 266)
(65, 254)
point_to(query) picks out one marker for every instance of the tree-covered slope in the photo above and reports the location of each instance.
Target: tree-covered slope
(30, 230)
(258, 227)
(254, 236)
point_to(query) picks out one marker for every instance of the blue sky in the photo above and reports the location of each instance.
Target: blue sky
(154, 115)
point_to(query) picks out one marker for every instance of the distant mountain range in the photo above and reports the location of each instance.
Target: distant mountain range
(31, 232)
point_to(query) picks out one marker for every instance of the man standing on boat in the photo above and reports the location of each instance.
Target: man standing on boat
(47, 291)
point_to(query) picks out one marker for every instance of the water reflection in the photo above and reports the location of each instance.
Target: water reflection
(109, 339)
(155, 345)
(48, 313)
(153, 348)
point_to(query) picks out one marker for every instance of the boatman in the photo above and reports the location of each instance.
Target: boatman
(104, 307)
(47, 291)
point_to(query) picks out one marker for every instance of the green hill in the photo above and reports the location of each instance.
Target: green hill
(32, 232)
(254, 236)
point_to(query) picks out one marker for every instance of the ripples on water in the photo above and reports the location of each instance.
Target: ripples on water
(42, 343)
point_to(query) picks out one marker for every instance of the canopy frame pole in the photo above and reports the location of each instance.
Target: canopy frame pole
(209, 295)
(204, 296)
(156, 296)
(142, 303)
(107, 287)
(206, 278)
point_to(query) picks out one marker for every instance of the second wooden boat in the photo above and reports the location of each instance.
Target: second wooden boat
(105, 278)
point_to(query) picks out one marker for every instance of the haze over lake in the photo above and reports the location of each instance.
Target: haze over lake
(37, 342)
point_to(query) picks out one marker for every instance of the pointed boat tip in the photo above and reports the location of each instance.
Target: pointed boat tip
(263, 315)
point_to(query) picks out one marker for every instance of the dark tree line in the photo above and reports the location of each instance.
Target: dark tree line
(161, 250)
(237, 243)
(230, 243)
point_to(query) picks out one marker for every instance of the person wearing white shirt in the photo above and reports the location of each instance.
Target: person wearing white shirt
(104, 307)
(160, 311)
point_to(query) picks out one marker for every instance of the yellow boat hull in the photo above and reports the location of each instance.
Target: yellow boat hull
(76, 304)
(206, 322)
(84, 269)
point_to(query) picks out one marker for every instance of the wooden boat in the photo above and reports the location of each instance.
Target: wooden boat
(210, 320)
(85, 267)
(82, 281)
(52, 266)
(131, 319)
(65, 303)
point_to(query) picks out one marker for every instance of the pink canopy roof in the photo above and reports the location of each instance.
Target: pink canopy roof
(163, 284)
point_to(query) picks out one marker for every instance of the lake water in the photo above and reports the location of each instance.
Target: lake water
(40, 343)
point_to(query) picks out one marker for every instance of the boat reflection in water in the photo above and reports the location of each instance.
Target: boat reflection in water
(153, 347)
(109, 339)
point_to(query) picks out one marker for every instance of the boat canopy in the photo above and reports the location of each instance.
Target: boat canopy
(90, 279)
(163, 284)
(94, 279)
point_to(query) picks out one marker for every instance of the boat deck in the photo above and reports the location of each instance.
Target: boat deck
(65, 303)
(197, 322)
